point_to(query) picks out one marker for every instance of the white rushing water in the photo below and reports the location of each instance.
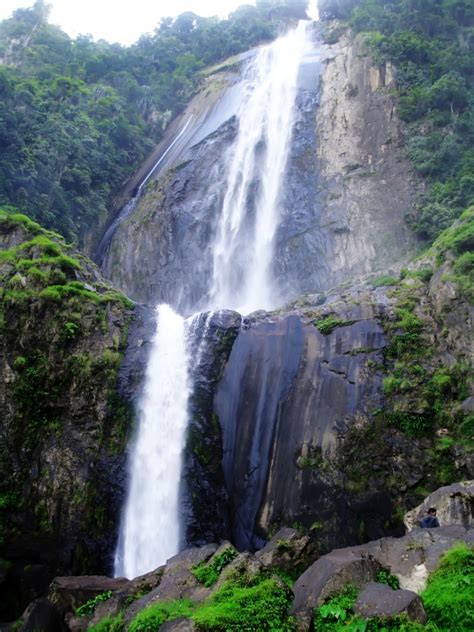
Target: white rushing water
(242, 280)
(150, 531)
(244, 247)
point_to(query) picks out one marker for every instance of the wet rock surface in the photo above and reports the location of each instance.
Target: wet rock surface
(42, 616)
(287, 393)
(205, 501)
(329, 575)
(69, 593)
(379, 600)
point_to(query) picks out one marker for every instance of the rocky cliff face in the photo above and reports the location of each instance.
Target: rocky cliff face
(346, 190)
(64, 424)
(335, 416)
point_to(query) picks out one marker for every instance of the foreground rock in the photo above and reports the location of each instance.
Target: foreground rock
(288, 550)
(411, 558)
(42, 616)
(379, 600)
(327, 576)
(69, 593)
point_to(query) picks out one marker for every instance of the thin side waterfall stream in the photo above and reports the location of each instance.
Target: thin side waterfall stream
(242, 280)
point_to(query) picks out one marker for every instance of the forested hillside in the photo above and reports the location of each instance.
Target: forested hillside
(431, 43)
(77, 117)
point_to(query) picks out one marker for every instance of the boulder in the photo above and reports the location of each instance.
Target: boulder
(412, 557)
(68, 593)
(379, 600)
(454, 504)
(288, 549)
(327, 576)
(42, 616)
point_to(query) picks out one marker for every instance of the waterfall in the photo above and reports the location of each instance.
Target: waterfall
(244, 246)
(242, 280)
(150, 530)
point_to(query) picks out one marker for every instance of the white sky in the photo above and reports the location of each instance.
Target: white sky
(119, 20)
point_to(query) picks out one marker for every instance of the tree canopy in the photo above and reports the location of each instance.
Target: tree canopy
(77, 117)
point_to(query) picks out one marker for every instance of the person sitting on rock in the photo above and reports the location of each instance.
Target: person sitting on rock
(430, 521)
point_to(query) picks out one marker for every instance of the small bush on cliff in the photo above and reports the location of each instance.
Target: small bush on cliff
(90, 606)
(448, 597)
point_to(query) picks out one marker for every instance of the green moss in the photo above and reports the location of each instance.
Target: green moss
(259, 606)
(152, 617)
(108, 624)
(51, 322)
(208, 573)
(328, 324)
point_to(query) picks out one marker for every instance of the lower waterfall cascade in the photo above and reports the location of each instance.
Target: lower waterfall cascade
(150, 530)
(149, 533)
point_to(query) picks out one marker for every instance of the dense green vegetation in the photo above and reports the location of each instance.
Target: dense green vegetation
(431, 44)
(77, 117)
(448, 597)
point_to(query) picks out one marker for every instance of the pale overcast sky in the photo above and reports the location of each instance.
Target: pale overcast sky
(117, 20)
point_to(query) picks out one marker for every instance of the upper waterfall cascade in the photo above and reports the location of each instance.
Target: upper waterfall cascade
(244, 245)
(242, 280)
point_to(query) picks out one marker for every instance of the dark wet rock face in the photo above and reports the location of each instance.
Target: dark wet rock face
(288, 392)
(161, 253)
(205, 501)
(42, 616)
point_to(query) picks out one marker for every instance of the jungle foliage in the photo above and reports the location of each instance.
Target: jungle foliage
(77, 117)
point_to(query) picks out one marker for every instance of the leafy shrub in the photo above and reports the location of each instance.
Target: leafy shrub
(384, 576)
(90, 606)
(384, 280)
(412, 424)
